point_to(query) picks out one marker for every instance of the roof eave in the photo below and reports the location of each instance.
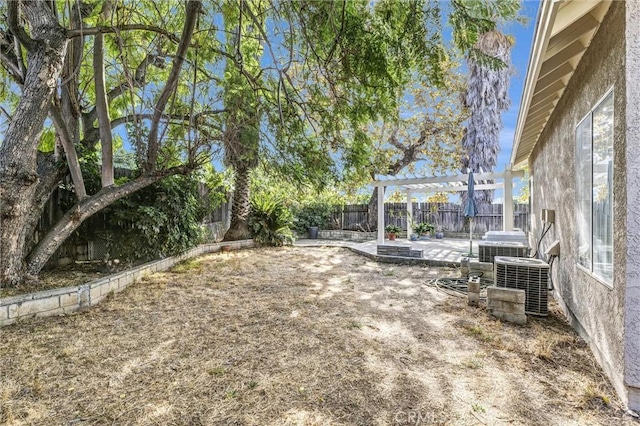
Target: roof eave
(544, 26)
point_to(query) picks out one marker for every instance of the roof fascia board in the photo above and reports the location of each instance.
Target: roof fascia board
(546, 16)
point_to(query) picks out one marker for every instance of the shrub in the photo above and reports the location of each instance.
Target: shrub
(316, 213)
(161, 220)
(270, 220)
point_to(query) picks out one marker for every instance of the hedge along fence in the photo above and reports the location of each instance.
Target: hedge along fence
(446, 216)
(94, 245)
(70, 299)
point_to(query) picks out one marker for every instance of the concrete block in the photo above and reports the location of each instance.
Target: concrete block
(96, 300)
(70, 309)
(70, 299)
(633, 398)
(506, 307)
(485, 267)
(13, 310)
(95, 293)
(113, 286)
(473, 299)
(31, 307)
(124, 281)
(506, 294)
(4, 313)
(515, 318)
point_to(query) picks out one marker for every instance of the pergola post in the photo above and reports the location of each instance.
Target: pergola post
(507, 201)
(380, 214)
(409, 215)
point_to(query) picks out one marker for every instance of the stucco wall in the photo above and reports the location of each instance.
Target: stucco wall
(632, 316)
(596, 310)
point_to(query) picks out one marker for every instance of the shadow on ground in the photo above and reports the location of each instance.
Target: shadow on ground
(297, 336)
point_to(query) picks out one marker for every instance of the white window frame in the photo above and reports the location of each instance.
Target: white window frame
(590, 271)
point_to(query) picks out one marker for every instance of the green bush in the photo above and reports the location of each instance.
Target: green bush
(161, 220)
(316, 213)
(270, 220)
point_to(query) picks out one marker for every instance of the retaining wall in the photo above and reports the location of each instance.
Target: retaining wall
(338, 234)
(70, 299)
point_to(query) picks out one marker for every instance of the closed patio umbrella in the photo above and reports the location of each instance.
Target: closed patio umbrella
(470, 211)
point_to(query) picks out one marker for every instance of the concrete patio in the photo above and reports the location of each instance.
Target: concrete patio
(448, 251)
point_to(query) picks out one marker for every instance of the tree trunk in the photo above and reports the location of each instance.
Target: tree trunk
(102, 109)
(239, 228)
(372, 219)
(18, 154)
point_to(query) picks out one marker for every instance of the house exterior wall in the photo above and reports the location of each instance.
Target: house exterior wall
(595, 309)
(632, 270)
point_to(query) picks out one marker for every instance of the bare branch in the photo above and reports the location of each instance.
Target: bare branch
(70, 151)
(193, 9)
(4, 111)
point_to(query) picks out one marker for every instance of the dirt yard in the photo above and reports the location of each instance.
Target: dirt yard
(297, 336)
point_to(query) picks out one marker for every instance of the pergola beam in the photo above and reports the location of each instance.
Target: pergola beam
(444, 179)
(451, 188)
(454, 183)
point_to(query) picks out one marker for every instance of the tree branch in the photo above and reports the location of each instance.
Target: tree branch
(131, 118)
(193, 9)
(102, 111)
(70, 151)
(15, 27)
(73, 33)
(12, 67)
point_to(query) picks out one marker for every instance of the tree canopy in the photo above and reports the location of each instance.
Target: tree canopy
(85, 84)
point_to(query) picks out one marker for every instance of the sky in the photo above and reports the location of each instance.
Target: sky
(519, 58)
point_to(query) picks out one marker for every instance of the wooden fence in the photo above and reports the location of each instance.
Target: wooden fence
(446, 216)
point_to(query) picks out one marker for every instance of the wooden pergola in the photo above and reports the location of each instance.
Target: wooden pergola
(451, 183)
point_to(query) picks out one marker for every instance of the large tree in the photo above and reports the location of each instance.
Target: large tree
(78, 76)
(244, 24)
(431, 138)
(329, 68)
(487, 95)
(46, 57)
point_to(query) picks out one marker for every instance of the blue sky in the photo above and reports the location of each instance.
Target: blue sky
(520, 58)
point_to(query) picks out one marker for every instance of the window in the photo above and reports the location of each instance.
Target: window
(594, 189)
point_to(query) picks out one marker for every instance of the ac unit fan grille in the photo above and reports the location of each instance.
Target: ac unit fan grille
(487, 253)
(530, 275)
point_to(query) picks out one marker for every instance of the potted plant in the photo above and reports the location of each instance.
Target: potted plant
(439, 233)
(392, 231)
(424, 229)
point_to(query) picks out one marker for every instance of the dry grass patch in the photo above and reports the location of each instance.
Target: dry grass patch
(292, 336)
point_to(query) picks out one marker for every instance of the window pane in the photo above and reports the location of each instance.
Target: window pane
(603, 189)
(583, 191)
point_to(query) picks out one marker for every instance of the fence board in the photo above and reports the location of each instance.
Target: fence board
(446, 216)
